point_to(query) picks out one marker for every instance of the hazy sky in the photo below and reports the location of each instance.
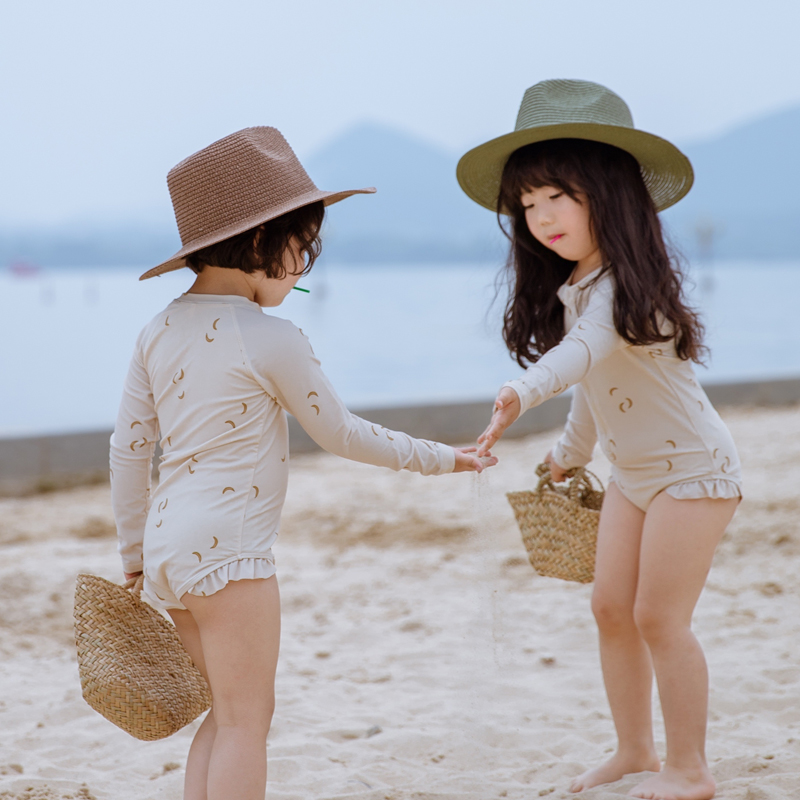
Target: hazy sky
(99, 99)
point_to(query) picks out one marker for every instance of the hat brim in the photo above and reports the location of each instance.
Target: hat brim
(667, 172)
(179, 259)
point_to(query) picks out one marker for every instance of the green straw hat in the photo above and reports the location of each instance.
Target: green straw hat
(567, 109)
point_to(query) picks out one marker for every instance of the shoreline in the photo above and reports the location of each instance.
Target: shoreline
(37, 464)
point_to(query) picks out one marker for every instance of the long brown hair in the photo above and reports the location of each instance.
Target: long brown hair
(649, 304)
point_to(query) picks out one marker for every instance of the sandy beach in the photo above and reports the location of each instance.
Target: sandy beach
(421, 656)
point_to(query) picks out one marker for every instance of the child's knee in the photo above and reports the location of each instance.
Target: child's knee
(610, 614)
(253, 713)
(653, 622)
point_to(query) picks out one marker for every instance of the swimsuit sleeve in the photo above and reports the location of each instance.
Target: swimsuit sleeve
(590, 340)
(576, 445)
(292, 373)
(131, 458)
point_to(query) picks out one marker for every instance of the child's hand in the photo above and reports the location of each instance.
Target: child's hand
(556, 473)
(466, 462)
(131, 575)
(506, 409)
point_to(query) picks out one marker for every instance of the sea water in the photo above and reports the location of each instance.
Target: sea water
(386, 335)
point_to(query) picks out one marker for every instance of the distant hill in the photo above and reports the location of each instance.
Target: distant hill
(71, 246)
(746, 186)
(745, 192)
(419, 212)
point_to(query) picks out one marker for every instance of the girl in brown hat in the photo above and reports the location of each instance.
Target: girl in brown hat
(211, 379)
(596, 304)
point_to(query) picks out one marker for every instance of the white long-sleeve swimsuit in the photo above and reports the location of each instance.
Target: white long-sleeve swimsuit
(211, 377)
(654, 422)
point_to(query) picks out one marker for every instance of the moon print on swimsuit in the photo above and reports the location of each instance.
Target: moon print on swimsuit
(310, 395)
(176, 379)
(162, 506)
(214, 327)
(674, 446)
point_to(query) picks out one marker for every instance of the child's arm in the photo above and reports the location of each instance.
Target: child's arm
(131, 458)
(290, 372)
(591, 339)
(576, 445)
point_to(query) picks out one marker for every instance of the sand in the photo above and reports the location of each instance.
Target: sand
(422, 657)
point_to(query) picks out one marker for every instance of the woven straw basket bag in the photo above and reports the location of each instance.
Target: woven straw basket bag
(133, 668)
(559, 524)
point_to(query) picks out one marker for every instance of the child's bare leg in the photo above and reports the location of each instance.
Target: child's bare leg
(678, 543)
(239, 630)
(196, 781)
(627, 668)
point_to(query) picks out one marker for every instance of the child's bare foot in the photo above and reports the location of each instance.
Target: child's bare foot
(617, 766)
(674, 784)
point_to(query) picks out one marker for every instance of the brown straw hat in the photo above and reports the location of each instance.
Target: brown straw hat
(234, 184)
(570, 109)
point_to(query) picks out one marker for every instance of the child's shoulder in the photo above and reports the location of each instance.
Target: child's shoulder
(267, 324)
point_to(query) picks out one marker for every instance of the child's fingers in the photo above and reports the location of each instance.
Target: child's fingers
(490, 439)
(479, 464)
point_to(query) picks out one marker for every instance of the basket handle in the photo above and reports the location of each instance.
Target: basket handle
(580, 481)
(135, 585)
(546, 479)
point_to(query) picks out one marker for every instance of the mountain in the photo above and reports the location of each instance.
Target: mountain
(744, 205)
(419, 213)
(745, 190)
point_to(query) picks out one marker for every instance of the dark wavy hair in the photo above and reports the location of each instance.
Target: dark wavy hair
(649, 302)
(263, 247)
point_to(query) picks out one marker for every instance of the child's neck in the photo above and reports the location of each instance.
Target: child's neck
(586, 266)
(215, 280)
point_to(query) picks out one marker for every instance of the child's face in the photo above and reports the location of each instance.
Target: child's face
(560, 223)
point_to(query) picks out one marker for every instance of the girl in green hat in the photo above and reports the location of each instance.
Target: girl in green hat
(596, 303)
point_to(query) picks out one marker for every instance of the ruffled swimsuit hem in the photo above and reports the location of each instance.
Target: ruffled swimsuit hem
(242, 569)
(713, 488)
